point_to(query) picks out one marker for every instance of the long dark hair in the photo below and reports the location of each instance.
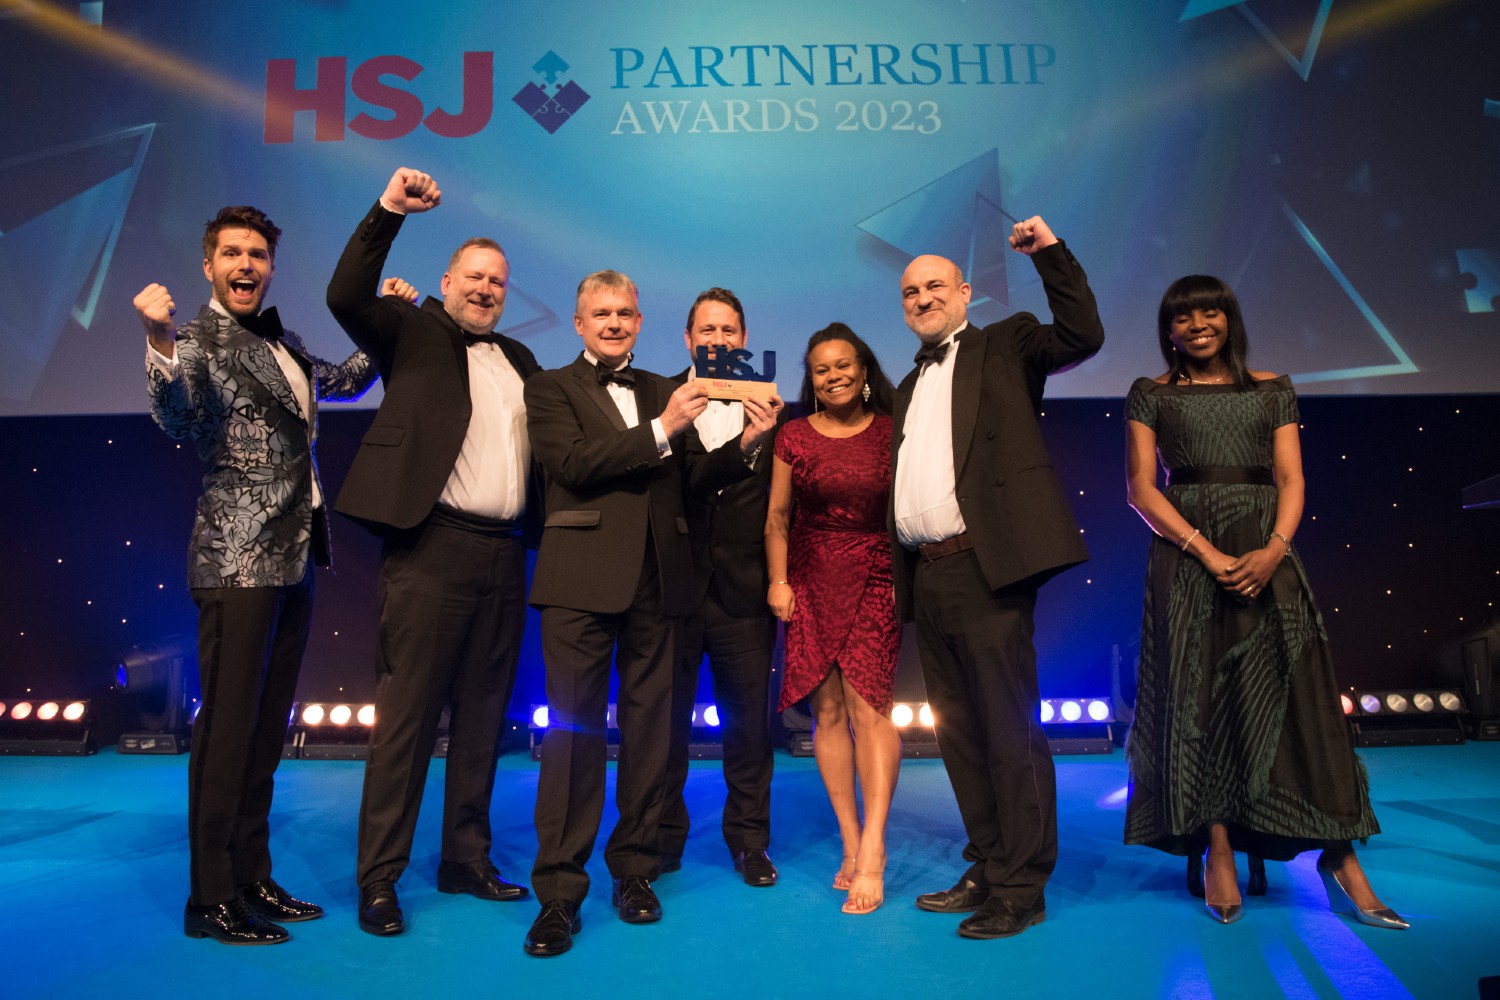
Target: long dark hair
(881, 393)
(1202, 291)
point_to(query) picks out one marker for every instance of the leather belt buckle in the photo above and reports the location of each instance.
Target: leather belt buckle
(933, 551)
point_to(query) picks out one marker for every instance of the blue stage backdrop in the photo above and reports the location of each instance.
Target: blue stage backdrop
(1338, 162)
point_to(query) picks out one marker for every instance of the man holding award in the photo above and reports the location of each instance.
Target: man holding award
(730, 621)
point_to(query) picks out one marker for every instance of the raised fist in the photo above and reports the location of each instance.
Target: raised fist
(410, 191)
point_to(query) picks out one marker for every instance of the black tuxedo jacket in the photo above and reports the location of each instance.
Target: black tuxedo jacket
(726, 529)
(605, 484)
(1012, 503)
(409, 451)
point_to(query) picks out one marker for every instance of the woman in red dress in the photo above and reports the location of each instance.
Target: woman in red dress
(829, 558)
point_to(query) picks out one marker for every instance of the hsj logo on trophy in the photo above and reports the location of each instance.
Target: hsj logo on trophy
(729, 374)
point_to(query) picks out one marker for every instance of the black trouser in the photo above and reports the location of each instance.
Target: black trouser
(452, 609)
(250, 643)
(739, 657)
(578, 647)
(980, 668)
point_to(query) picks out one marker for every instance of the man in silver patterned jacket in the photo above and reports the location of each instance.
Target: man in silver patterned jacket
(245, 392)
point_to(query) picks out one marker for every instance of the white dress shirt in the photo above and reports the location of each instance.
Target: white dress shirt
(489, 477)
(926, 493)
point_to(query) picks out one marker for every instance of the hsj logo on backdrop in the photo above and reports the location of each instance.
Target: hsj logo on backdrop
(551, 100)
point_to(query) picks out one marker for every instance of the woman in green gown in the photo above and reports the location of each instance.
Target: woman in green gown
(1239, 740)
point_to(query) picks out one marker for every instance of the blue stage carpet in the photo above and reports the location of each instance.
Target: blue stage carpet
(93, 876)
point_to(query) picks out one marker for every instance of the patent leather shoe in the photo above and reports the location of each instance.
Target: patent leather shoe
(965, 897)
(380, 909)
(272, 902)
(231, 923)
(478, 878)
(1340, 901)
(635, 900)
(1195, 875)
(1257, 884)
(552, 931)
(1001, 918)
(756, 868)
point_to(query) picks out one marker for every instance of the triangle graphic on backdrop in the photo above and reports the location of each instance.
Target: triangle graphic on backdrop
(957, 216)
(1303, 63)
(55, 261)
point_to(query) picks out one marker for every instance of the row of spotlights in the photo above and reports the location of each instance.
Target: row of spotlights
(47, 711)
(903, 715)
(703, 715)
(338, 715)
(1400, 702)
(1075, 710)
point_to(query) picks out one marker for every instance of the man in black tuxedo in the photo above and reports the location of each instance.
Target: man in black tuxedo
(613, 579)
(730, 622)
(978, 524)
(246, 393)
(442, 476)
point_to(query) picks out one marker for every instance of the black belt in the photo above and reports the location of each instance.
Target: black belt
(1221, 475)
(452, 517)
(933, 551)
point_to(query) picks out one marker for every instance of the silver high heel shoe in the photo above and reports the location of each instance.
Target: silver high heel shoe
(1339, 900)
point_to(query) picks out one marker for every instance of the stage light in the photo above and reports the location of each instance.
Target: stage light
(329, 731)
(162, 680)
(1407, 718)
(366, 715)
(1348, 704)
(45, 728)
(1078, 725)
(711, 715)
(704, 742)
(539, 717)
(925, 716)
(902, 715)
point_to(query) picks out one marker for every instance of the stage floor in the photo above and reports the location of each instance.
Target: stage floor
(93, 876)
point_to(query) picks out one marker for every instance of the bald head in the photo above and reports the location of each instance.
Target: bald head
(934, 297)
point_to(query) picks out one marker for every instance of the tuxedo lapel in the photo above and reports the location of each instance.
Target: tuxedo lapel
(968, 367)
(255, 356)
(588, 382)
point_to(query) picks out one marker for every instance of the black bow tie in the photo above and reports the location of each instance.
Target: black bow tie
(931, 354)
(623, 376)
(482, 338)
(266, 325)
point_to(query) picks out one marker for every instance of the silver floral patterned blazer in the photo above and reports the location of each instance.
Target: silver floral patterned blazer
(255, 524)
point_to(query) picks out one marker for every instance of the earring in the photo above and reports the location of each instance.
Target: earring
(865, 392)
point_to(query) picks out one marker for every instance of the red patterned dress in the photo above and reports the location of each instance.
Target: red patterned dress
(839, 562)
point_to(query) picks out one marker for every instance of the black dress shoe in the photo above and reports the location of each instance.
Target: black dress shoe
(552, 931)
(232, 923)
(965, 897)
(272, 902)
(478, 878)
(669, 865)
(756, 867)
(635, 900)
(1258, 885)
(1195, 875)
(380, 909)
(1000, 918)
